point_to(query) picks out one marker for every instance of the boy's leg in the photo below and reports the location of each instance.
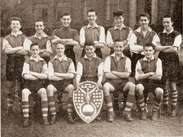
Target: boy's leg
(10, 96)
(165, 97)
(173, 97)
(140, 100)
(130, 88)
(44, 105)
(157, 104)
(70, 107)
(51, 102)
(25, 106)
(107, 97)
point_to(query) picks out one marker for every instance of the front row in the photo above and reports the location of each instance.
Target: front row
(117, 68)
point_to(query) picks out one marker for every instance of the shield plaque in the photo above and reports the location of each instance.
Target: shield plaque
(88, 100)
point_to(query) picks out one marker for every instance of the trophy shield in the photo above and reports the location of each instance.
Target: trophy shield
(88, 100)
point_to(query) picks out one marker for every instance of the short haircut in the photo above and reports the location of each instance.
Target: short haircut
(149, 45)
(34, 44)
(118, 42)
(144, 15)
(92, 10)
(57, 43)
(39, 20)
(89, 44)
(65, 14)
(15, 18)
(168, 16)
(118, 13)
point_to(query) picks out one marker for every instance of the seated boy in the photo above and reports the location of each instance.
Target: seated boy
(61, 73)
(148, 73)
(34, 73)
(117, 69)
(90, 67)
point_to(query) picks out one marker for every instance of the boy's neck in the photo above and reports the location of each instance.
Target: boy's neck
(144, 28)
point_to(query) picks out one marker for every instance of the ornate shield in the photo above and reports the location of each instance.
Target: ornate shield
(88, 100)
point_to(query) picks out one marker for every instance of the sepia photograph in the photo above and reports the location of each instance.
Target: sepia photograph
(91, 68)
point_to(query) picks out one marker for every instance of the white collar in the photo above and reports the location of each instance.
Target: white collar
(164, 31)
(95, 56)
(64, 58)
(36, 59)
(43, 35)
(121, 27)
(113, 55)
(140, 29)
(146, 58)
(94, 26)
(17, 33)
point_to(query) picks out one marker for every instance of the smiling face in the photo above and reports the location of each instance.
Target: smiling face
(15, 25)
(167, 24)
(35, 51)
(149, 52)
(39, 26)
(144, 21)
(60, 49)
(92, 17)
(66, 20)
(118, 48)
(90, 51)
(118, 20)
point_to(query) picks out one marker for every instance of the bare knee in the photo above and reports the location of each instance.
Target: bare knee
(159, 92)
(50, 90)
(139, 89)
(25, 94)
(107, 89)
(70, 89)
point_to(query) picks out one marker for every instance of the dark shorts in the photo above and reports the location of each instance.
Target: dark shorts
(171, 66)
(94, 79)
(70, 53)
(61, 85)
(47, 59)
(135, 57)
(14, 67)
(117, 84)
(34, 85)
(150, 85)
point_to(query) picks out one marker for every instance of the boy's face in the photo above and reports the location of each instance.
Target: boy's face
(60, 49)
(167, 23)
(118, 20)
(15, 25)
(35, 50)
(39, 26)
(118, 47)
(90, 51)
(144, 21)
(66, 20)
(92, 17)
(149, 52)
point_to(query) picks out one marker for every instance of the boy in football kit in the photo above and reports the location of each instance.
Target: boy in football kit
(67, 36)
(148, 74)
(61, 73)
(142, 35)
(92, 33)
(34, 74)
(119, 32)
(117, 69)
(42, 39)
(16, 46)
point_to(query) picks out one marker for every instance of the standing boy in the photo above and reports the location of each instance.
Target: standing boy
(148, 74)
(61, 73)
(170, 41)
(144, 34)
(67, 36)
(16, 46)
(92, 33)
(35, 74)
(119, 32)
(117, 69)
(42, 39)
